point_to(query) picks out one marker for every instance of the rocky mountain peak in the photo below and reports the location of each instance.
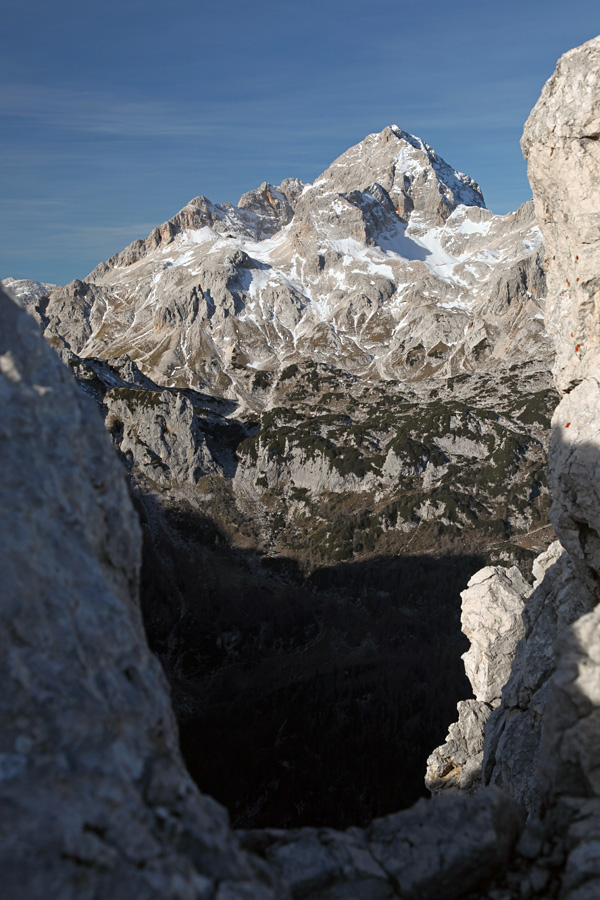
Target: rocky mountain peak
(388, 265)
(26, 292)
(420, 184)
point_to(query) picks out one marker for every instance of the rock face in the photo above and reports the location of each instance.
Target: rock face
(163, 439)
(561, 143)
(541, 743)
(514, 732)
(26, 292)
(94, 798)
(491, 619)
(448, 847)
(563, 151)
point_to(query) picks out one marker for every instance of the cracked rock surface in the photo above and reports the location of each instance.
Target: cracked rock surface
(94, 799)
(491, 618)
(444, 847)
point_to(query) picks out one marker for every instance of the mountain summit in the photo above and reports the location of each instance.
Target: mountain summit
(389, 265)
(408, 170)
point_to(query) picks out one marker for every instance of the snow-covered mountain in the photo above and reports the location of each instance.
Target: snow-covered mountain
(389, 265)
(25, 291)
(332, 402)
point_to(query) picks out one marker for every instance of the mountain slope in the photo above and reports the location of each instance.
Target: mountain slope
(388, 265)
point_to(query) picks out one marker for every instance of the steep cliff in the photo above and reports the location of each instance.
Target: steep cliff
(561, 143)
(541, 742)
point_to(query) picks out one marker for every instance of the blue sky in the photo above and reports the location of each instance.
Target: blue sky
(114, 115)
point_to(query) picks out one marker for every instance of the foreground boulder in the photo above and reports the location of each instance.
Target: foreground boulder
(442, 848)
(94, 798)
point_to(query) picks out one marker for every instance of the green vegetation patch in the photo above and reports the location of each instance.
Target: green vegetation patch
(289, 372)
(133, 397)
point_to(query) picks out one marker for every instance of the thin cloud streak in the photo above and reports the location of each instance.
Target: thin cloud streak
(93, 112)
(98, 113)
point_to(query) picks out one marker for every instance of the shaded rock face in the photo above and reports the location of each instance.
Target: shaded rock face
(514, 732)
(447, 847)
(94, 798)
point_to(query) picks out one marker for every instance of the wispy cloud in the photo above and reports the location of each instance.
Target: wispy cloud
(26, 204)
(89, 237)
(45, 255)
(284, 118)
(96, 112)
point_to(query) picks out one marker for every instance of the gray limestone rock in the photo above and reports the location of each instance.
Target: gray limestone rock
(491, 618)
(562, 148)
(456, 764)
(408, 170)
(159, 434)
(94, 799)
(26, 292)
(514, 732)
(574, 461)
(542, 743)
(443, 847)
(71, 314)
(570, 764)
(272, 205)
